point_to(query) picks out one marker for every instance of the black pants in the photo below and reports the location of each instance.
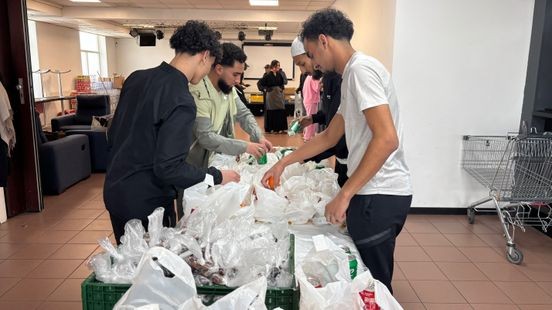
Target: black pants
(119, 222)
(374, 222)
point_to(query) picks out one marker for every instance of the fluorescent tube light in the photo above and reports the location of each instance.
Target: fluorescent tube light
(263, 2)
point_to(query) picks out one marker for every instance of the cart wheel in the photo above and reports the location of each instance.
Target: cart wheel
(516, 257)
(471, 215)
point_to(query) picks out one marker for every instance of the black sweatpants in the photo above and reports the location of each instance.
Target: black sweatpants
(374, 222)
(119, 222)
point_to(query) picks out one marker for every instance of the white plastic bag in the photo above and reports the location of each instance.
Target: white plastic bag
(269, 207)
(250, 296)
(163, 279)
(384, 298)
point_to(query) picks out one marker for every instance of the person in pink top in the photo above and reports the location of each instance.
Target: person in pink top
(311, 98)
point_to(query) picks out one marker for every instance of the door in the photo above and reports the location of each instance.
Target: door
(23, 191)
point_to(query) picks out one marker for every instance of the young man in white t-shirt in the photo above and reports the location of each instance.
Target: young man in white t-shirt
(376, 198)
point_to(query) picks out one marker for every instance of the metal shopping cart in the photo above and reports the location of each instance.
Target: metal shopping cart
(517, 169)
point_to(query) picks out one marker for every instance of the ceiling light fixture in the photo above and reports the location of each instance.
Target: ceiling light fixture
(263, 2)
(87, 1)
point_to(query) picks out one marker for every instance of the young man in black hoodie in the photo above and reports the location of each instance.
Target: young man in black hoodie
(151, 133)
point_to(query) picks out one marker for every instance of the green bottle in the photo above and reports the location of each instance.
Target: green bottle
(262, 160)
(353, 266)
(294, 128)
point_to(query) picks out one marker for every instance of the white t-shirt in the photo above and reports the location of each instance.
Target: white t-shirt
(367, 84)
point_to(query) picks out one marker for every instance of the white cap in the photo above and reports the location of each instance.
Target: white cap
(297, 47)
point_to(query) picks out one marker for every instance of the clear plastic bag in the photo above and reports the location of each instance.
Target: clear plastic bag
(155, 226)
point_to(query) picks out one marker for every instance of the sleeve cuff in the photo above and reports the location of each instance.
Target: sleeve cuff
(216, 175)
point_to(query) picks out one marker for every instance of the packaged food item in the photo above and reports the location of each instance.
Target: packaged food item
(369, 300)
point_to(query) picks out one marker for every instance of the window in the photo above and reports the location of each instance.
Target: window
(35, 64)
(93, 54)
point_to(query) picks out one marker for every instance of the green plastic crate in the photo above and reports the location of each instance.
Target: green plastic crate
(97, 295)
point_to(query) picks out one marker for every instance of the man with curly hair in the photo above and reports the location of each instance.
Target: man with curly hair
(219, 107)
(376, 198)
(151, 133)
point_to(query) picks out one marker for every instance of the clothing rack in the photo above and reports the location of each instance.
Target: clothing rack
(60, 97)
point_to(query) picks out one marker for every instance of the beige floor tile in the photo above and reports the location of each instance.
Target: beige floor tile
(54, 236)
(32, 290)
(502, 272)
(74, 251)
(90, 236)
(69, 290)
(467, 240)
(547, 286)
(452, 228)
(482, 254)
(36, 251)
(413, 306)
(18, 268)
(7, 283)
(537, 272)
(461, 271)
(405, 239)
(57, 269)
(19, 305)
(437, 292)
(8, 249)
(526, 293)
(445, 254)
(421, 271)
(421, 227)
(411, 254)
(82, 272)
(431, 239)
(101, 225)
(83, 214)
(61, 305)
(20, 236)
(494, 307)
(397, 273)
(71, 224)
(534, 307)
(481, 292)
(494, 240)
(403, 292)
(447, 306)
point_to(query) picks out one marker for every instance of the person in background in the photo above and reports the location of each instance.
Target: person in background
(376, 198)
(219, 107)
(151, 133)
(272, 85)
(331, 98)
(311, 99)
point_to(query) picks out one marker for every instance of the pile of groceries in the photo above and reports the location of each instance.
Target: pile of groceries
(245, 237)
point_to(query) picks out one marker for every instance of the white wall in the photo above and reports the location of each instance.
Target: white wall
(111, 56)
(131, 57)
(374, 22)
(58, 48)
(459, 68)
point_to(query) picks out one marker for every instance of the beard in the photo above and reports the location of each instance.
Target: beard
(224, 87)
(317, 74)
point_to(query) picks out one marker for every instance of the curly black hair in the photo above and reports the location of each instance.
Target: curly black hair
(330, 22)
(195, 37)
(232, 53)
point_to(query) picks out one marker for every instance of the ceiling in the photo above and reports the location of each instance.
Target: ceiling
(114, 18)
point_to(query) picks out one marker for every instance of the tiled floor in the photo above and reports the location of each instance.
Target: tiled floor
(442, 262)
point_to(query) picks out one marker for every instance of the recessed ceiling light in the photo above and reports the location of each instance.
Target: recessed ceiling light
(263, 2)
(86, 1)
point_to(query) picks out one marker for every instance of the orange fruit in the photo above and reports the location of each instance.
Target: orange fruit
(271, 183)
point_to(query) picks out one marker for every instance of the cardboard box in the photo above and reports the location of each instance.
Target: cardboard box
(118, 81)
